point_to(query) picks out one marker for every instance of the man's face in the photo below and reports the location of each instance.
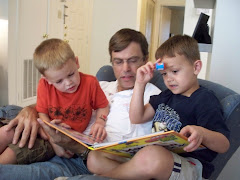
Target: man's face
(125, 64)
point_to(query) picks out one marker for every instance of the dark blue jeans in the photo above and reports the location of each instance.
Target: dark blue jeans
(48, 170)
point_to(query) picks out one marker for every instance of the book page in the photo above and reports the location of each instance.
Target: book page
(77, 136)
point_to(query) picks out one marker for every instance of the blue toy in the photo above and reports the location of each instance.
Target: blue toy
(159, 66)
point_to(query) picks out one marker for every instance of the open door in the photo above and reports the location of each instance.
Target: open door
(161, 21)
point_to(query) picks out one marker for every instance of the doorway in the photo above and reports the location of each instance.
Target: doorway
(172, 22)
(168, 20)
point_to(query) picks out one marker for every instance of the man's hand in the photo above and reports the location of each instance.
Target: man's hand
(26, 125)
(194, 135)
(61, 139)
(61, 152)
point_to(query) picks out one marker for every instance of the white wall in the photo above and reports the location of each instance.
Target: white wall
(225, 61)
(109, 16)
(3, 52)
(190, 20)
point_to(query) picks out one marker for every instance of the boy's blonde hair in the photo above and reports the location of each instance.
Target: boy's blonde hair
(52, 53)
(181, 45)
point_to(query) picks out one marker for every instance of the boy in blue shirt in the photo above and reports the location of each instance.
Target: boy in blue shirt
(185, 107)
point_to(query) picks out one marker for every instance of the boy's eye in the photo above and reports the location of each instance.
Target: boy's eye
(163, 74)
(175, 72)
(71, 74)
(58, 82)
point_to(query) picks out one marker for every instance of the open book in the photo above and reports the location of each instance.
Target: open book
(171, 140)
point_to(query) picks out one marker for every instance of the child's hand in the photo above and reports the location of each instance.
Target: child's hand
(65, 125)
(194, 135)
(59, 122)
(98, 131)
(145, 73)
(56, 121)
(158, 61)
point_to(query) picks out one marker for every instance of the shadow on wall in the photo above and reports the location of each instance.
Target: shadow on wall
(3, 86)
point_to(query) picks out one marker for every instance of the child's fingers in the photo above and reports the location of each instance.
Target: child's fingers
(65, 126)
(99, 135)
(103, 135)
(192, 147)
(148, 68)
(194, 143)
(56, 121)
(185, 131)
(151, 65)
(158, 60)
(95, 134)
(92, 133)
(144, 69)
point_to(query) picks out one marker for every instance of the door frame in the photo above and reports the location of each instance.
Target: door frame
(159, 19)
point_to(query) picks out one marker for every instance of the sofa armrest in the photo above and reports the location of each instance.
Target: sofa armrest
(233, 123)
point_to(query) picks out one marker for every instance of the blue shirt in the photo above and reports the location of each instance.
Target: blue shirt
(202, 108)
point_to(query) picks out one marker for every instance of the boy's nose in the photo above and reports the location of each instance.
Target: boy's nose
(169, 78)
(68, 82)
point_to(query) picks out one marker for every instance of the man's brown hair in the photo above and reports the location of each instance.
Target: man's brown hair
(122, 38)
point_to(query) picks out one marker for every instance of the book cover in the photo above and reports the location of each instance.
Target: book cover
(171, 140)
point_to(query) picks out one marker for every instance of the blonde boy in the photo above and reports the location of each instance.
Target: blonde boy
(64, 96)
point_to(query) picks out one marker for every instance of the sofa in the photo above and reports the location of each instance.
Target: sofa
(230, 101)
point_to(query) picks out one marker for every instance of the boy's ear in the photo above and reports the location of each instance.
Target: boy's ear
(44, 77)
(197, 67)
(77, 62)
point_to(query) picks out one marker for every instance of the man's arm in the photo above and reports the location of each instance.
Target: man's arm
(26, 126)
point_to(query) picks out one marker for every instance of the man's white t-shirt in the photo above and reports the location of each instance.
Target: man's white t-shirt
(118, 125)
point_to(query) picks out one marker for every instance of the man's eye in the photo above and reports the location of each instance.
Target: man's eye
(118, 62)
(134, 60)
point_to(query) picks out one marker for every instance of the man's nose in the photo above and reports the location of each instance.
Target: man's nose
(126, 66)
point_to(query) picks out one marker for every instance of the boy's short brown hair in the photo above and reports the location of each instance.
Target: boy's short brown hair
(52, 53)
(181, 45)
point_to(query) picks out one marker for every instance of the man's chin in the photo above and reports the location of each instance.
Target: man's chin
(126, 85)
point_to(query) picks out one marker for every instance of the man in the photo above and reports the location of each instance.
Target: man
(128, 50)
